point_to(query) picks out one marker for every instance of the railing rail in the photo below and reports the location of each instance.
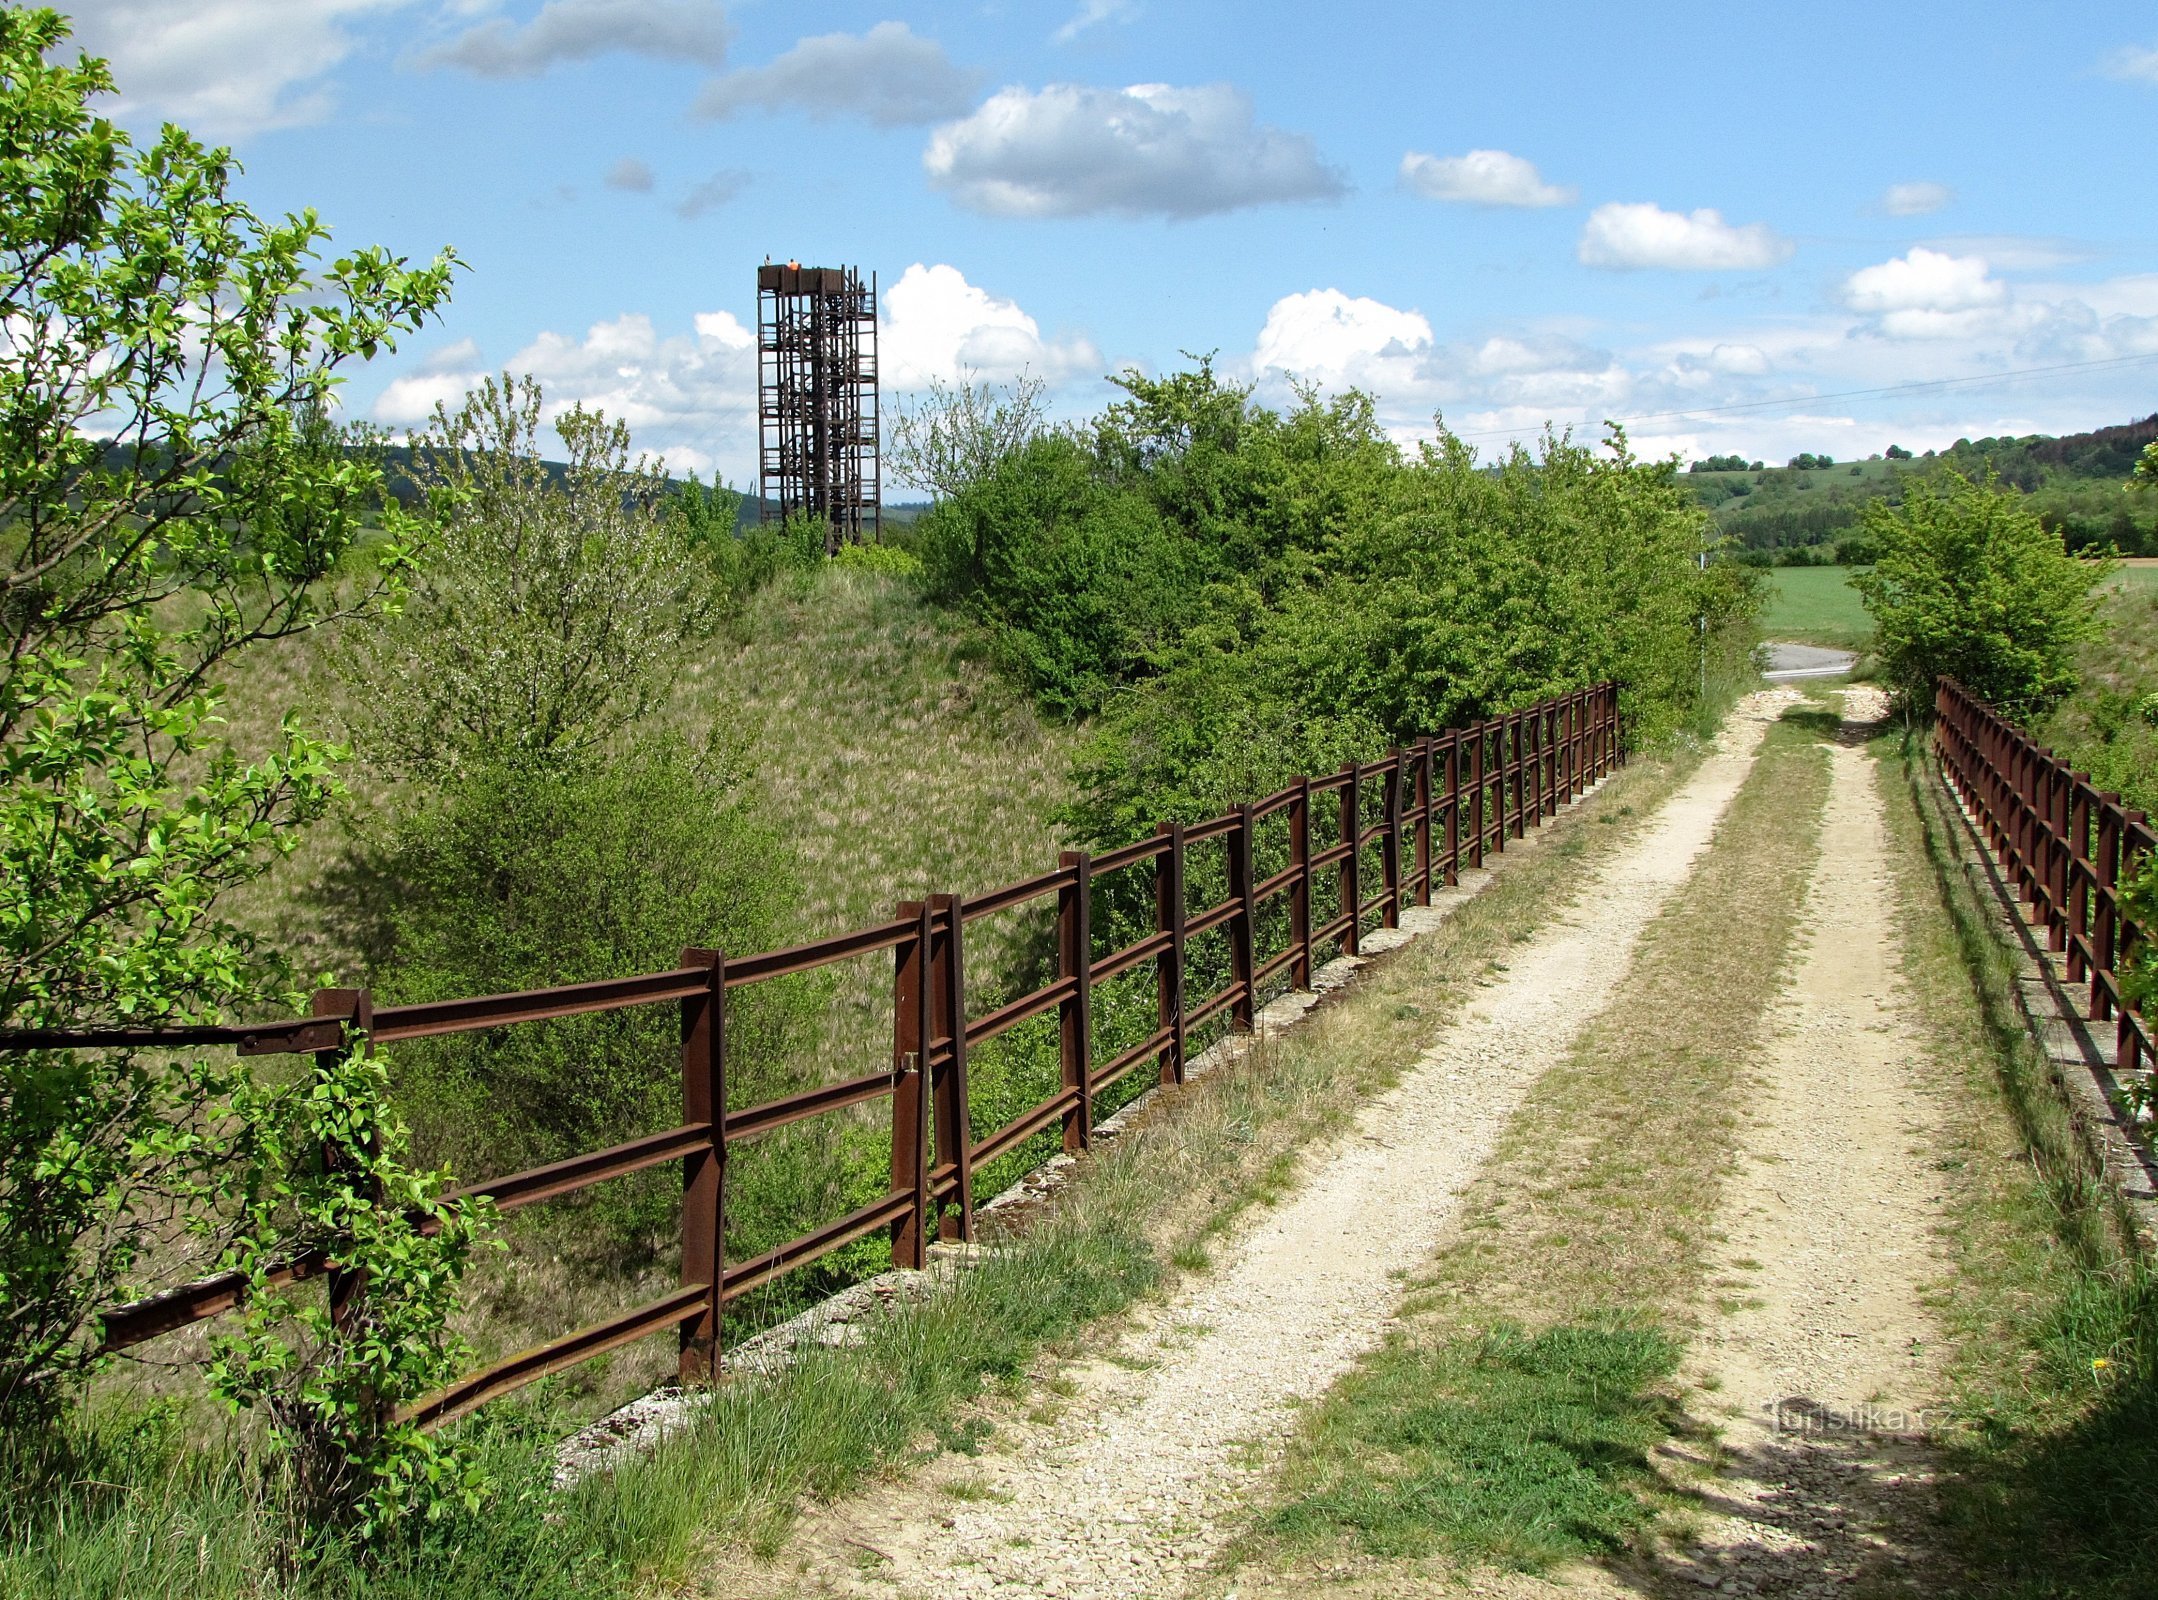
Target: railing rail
(2065, 845)
(1452, 799)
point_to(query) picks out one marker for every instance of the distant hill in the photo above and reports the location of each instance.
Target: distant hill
(1805, 514)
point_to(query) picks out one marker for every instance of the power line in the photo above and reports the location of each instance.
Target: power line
(1929, 386)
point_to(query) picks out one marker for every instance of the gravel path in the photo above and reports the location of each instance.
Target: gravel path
(1138, 1482)
(1829, 1240)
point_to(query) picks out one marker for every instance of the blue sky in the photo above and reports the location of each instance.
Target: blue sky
(1510, 214)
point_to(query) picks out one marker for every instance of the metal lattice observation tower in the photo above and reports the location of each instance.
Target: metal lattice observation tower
(817, 411)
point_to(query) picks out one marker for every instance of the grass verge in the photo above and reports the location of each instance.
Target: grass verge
(1508, 1418)
(139, 1505)
(2052, 1319)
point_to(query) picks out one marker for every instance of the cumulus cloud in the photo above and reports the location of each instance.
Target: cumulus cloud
(890, 75)
(1926, 294)
(1482, 177)
(690, 396)
(1093, 13)
(2135, 63)
(1336, 341)
(1916, 199)
(938, 326)
(630, 174)
(224, 69)
(577, 30)
(1621, 235)
(1149, 150)
(713, 193)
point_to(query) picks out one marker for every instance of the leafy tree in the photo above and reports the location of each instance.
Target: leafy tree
(170, 494)
(1896, 452)
(1968, 582)
(957, 433)
(555, 607)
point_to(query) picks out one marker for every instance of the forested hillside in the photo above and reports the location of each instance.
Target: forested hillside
(1810, 511)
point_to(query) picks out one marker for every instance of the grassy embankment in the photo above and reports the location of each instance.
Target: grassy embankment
(1508, 1418)
(137, 1512)
(2109, 726)
(2052, 1320)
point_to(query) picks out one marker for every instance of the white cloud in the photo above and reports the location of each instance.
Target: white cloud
(223, 69)
(2133, 63)
(1926, 294)
(690, 397)
(631, 174)
(936, 325)
(890, 75)
(578, 30)
(1622, 235)
(1916, 199)
(1335, 340)
(1149, 150)
(713, 193)
(1093, 13)
(1482, 177)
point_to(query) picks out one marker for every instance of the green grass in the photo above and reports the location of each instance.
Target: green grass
(2107, 726)
(2052, 1317)
(1815, 605)
(1512, 1448)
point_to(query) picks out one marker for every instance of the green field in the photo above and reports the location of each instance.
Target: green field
(1815, 605)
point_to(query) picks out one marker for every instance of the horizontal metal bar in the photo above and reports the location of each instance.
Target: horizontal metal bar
(177, 1307)
(809, 1103)
(581, 1172)
(818, 953)
(1211, 918)
(1132, 955)
(1014, 894)
(435, 1017)
(529, 1366)
(1146, 849)
(1214, 1007)
(1281, 880)
(1267, 969)
(1023, 1127)
(756, 1273)
(1331, 854)
(1131, 1058)
(1274, 802)
(1333, 929)
(1212, 828)
(1009, 1016)
(287, 1036)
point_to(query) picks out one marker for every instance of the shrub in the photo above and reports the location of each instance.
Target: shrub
(520, 875)
(145, 303)
(886, 558)
(1967, 582)
(555, 607)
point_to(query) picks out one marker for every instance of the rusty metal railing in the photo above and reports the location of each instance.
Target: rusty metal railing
(1424, 812)
(2063, 844)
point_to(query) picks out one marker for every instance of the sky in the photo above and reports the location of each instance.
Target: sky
(1729, 227)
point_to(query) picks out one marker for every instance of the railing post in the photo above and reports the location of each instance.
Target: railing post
(356, 1008)
(948, 1077)
(1352, 894)
(1243, 926)
(1169, 969)
(1390, 840)
(913, 1014)
(1518, 767)
(704, 1172)
(1300, 889)
(2079, 875)
(1453, 808)
(2105, 934)
(1426, 765)
(1477, 787)
(1075, 1016)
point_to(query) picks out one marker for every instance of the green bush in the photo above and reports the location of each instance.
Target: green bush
(1967, 582)
(522, 875)
(889, 559)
